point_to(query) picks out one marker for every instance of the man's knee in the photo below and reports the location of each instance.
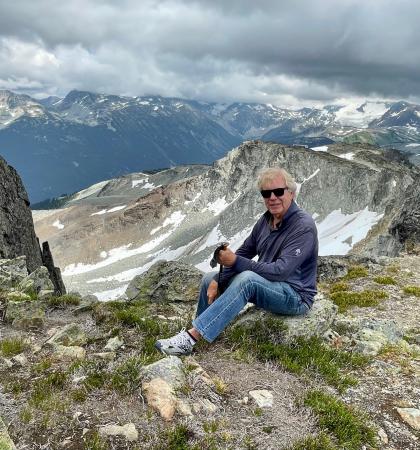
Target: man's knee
(246, 277)
(207, 278)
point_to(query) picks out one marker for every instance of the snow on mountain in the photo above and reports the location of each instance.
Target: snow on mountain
(186, 219)
(360, 116)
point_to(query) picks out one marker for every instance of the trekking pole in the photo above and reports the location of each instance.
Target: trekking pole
(215, 260)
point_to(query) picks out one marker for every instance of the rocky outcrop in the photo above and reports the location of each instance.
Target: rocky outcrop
(17, 234)
(166, 281)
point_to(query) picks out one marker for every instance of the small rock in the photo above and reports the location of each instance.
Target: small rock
(106, 356)
(20, 360)
(183, 408)
(114, 344)
(69, 335)
(128, 431)
(160, 396)
(169, 369)
(204, 405)
(63, 352)
(263, 398)
(410, 416)
(383, 436)
(5, 363)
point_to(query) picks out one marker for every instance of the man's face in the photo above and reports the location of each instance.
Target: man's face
(278, 205)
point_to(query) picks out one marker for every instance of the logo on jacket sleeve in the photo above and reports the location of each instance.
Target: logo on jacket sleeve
(297, 252)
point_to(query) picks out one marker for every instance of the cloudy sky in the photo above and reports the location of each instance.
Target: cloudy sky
(286, 52)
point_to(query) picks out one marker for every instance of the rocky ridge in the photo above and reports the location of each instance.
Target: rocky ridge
(86, 372)
(187, 218)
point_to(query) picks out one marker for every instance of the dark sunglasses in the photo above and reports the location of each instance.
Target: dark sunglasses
(278, 192)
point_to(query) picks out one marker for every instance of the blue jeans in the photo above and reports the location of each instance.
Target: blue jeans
(274, 296)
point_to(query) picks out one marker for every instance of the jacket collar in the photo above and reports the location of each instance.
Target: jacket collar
(293, 208)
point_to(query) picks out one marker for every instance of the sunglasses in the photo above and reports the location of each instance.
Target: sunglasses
(278, 192)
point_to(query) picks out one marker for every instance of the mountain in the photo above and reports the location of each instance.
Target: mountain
(113, 231)
(60, 146)
(86, 137)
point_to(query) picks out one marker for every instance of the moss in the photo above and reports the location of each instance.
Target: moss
(320, 442)
(412, 290)
(348, 426)
(93, 441)
(63, 301)
(384, 280)
(356, 272)
(393, 270)
(345, 300)
(12, 347)
(339, 286)
(298, 356)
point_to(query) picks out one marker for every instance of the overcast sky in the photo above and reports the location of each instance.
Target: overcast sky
(286, 52)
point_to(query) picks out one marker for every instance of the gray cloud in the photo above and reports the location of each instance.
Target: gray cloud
(289, 52)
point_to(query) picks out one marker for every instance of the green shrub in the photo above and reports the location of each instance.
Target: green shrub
(63, 301)
(297, 356)
(319, 442)
(412, 290)
(12, 347)
(339, 286)
(356, 272)
(348, 426)
(384, 280)
(345, 300)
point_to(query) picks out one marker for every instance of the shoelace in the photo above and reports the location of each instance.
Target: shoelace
(181, 339)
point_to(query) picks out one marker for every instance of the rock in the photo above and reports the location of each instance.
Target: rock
(5, 442)
(106, 356)
(64, 353)
(54, 272)
(17, 234)
(12, 271)
(169, 369)
(204, 405)
(160, 396)
(183, 408)
(69, 335)
(383, 436)
(37, 281)
(86, 304)
(26, 316)
(263, 398)
(20, 360)
(197, 372)
(45, 293)
(5, 364)
(370, 335)
(166, 281)
(114, 344)
(315, 323)
(410, 416)
(330, 268)
(128, 431)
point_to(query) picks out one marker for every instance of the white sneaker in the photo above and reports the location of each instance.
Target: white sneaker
(178, 345)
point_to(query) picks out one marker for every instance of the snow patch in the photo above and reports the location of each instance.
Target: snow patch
(112, 294)
(175, 219)
(338, 232)
(321, 148)
(106, 211)
(197, 196)
(58, 224)
(90, 190)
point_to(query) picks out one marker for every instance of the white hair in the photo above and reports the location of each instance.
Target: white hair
(269, 174)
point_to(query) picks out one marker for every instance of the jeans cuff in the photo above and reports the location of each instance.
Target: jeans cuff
(199, 328)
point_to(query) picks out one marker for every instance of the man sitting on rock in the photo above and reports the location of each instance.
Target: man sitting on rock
(283, 281)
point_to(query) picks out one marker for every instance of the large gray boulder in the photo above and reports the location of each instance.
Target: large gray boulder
(166, 281)
(12, 271)
(17, 234)
(318, 320)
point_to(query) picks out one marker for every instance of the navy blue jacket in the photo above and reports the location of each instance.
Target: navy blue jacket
(288, 253)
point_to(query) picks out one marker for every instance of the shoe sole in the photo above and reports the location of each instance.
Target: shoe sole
(160, 348)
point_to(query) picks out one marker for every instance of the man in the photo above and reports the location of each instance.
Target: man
(283, 280)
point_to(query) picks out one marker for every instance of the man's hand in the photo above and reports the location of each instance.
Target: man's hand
(226, 257)
(212, 292)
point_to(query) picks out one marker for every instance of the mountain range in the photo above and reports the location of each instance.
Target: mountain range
(61, 145)
(105, 235)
